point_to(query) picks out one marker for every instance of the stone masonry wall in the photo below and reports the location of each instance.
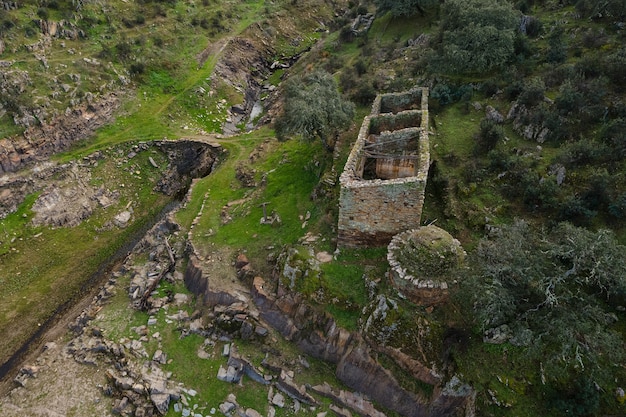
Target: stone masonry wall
(372, 211)
(414, 99)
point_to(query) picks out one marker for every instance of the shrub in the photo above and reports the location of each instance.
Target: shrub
(489, 87)
(569, 99)
(513, 90)
(557, 48)
(583, 152)
(617, 207)
(43, 14)
(540, 193)
(553, 283)
(574, 210)
(489, 135)
(613, 133)
(346, 35)
(137, 68)
(123, 50)
(614, 67)
(532, 92)
(364, 94)
(361, 67)
(578, 399)
(313, 108)
(405, 7)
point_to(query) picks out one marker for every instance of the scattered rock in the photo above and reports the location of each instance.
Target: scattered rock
(250, 412)
(121, 220)
(230, 374)
(159, 357)
(278, 400)
(493, 115)
(227, 407)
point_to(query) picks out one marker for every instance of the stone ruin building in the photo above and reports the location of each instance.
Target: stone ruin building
(420, 260)
(384, 180)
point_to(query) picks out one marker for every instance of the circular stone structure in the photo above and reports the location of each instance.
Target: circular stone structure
(421, 260)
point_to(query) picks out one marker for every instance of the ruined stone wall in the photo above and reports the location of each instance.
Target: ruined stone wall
(372, 211)
(414, 99)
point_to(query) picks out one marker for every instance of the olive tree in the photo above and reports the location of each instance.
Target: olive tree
(553, 289)
(313, 108)
(477, 36)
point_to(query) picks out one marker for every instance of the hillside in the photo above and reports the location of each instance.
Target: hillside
(111, 112)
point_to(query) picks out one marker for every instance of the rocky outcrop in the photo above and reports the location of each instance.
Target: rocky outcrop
(318, 335)
(188, 159)
(40, 142)
(68, 197)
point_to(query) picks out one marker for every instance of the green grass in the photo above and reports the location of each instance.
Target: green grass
(454, 132)
(41, 268)
(290, 177)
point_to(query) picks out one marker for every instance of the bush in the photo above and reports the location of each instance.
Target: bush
(137, 68)
(617, 207)
(583, 152)
(513, 90)
(313, 108)
(123, 50)
(500, 160)
(574, 210)
(557, 48)
(578, 399)
(553, 283)
(489, 88)
(613, 133)
(361, 67)
(345, 34)
(532, 92)
(540, 193)
(42, 13)
(489, 135)
(348, 79)
(569, 99)
(364, 94)
(405, 7)
(614, 67)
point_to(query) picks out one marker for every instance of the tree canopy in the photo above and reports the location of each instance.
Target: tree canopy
(313, 108)
(553, 290)
(477, 36)
(404, 7)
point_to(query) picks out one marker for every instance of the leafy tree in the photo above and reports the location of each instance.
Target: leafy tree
(552, 288)
(313, 108)
(477, 36)
(405, 7)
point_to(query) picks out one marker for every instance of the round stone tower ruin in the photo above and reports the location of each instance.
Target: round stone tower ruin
(421, 260)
